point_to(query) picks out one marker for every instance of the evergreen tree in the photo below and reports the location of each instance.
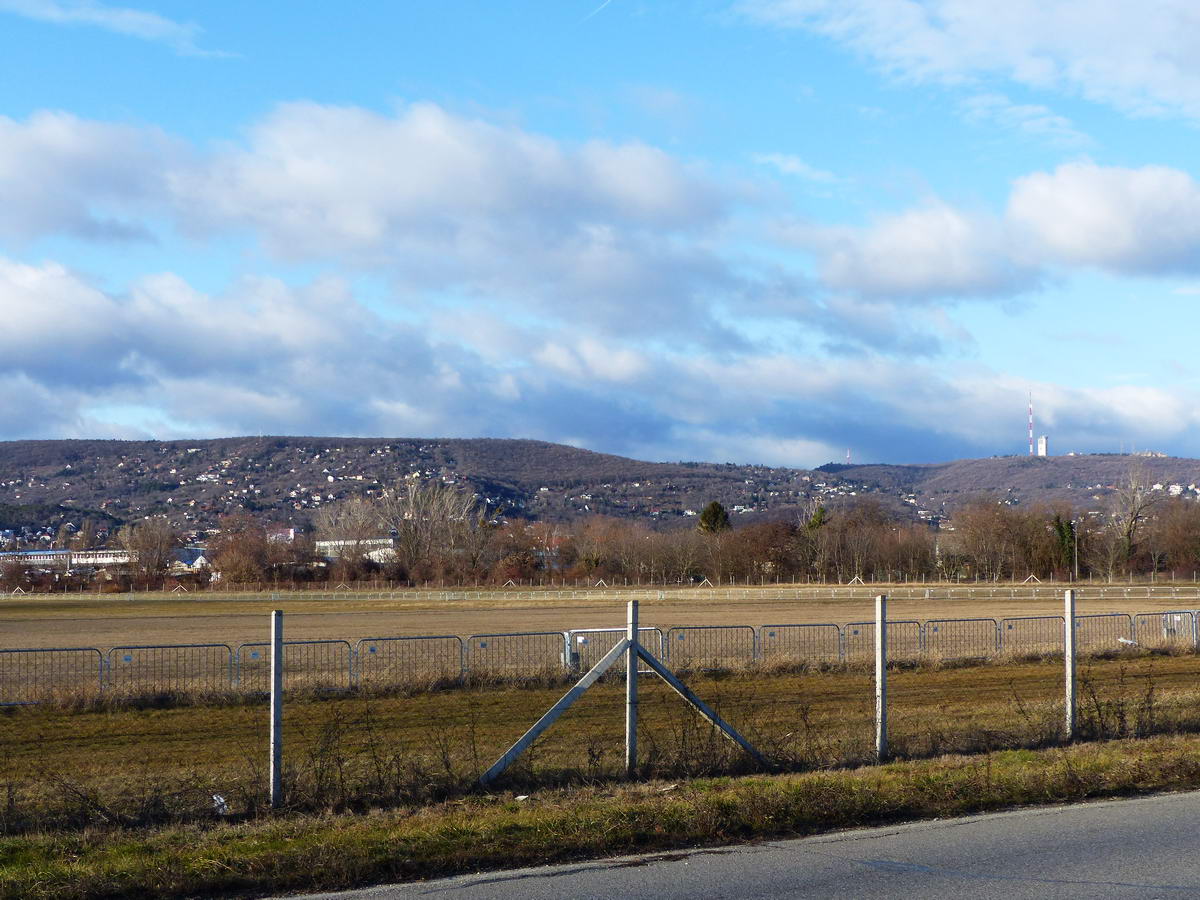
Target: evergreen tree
(714, 518)
(819, 518)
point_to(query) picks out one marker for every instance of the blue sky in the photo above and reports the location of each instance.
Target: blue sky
(746, 230)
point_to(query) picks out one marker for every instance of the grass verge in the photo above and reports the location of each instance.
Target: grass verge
(311, 852)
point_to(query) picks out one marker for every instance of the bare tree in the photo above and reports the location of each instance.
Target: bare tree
(150, 544)
(351, 525)
(1131, 506)
(429, 520)
(13, 573)
(240, 551)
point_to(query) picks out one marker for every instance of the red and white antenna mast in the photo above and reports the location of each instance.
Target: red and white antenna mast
(1031, 423)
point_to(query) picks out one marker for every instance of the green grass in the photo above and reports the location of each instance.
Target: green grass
(328, 851)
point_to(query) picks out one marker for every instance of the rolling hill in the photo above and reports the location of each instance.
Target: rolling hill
(285, 479)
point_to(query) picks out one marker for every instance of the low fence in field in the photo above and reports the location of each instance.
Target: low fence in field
(30, 675)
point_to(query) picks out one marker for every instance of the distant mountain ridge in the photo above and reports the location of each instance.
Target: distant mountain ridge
(285, 479)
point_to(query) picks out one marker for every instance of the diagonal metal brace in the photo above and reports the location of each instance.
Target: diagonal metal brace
(552, 714)
(703, 708)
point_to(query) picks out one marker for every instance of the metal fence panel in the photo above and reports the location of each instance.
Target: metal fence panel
(711, 646)
(588, 645)
(904, 640)
(517, 653)
(807, 643)
(154, 669)
(401, 660)
(1176, 628)
(1109, 631)
(1032, 634)
(960, 638)
(27, 676)
(318, 665)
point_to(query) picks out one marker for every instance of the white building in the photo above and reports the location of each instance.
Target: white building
(1043, 446)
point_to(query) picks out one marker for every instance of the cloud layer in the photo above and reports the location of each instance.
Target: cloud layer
(118, 19)
(482, 279)
(1139, 58)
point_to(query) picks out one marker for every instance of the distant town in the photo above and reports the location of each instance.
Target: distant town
(109, 515)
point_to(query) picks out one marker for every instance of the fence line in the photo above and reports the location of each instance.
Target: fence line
(27, 676)
(389, 660)
(30, 675)
(933, 590)
(815, 643)
(327, 665)
(905, 640)
(1175, 628)
(587, 646)
(961, 638)
(1032, 634)
(517, 653)
(167, 668)
(711, 646)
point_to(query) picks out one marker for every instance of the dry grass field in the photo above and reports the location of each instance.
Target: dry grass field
(110, 620)
(69, 766)
(160, 795)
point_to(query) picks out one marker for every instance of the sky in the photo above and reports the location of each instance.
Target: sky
(754, 231)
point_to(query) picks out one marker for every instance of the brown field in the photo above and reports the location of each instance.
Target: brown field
(115, 797)
(56, 758)
(112, 620)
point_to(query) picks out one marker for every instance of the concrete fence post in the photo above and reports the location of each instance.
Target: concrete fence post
(631, 690)
(276, 707)
(881, 738)
(1069, 636)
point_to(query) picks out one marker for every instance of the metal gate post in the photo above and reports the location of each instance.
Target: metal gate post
(631, 690)
(1069, 658)
(881, 739)
(276, 707)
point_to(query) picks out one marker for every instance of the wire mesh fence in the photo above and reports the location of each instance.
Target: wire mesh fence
(359, 749)
(28, 676)
(961, 638)
(800, 643)
(313, 665)
(202, 668)
(903, 640)
(519, 653)
(1032, 634)
(589, 645)
(1175, 629)
(393, 661)
(711, 646)
(1110, 631)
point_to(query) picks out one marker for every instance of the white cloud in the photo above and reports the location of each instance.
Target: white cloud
(313, 359)
(613, 242)
(1144, 220)
(594, 232)
(1137, 56)
(590, 360)
(317, 180)
(929, 251)
(60, 173)
(1032, 120)
(124, 20)
(789, 164)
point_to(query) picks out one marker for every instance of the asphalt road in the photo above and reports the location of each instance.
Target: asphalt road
(1145, 847)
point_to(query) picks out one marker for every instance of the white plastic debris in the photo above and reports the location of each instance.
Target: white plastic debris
(220, 807)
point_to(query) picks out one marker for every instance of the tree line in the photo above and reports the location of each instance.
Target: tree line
(425, 532)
